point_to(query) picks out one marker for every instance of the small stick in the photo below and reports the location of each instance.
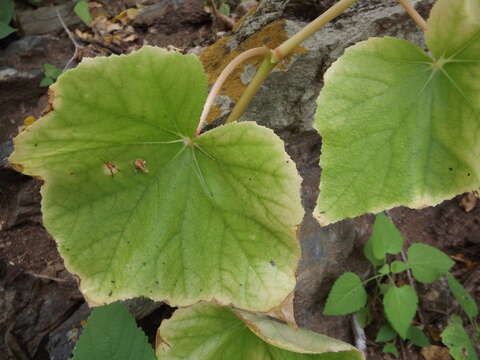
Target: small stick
(70, 35)
(223, 76)
(414, 14)
(45, 277)
(359, 334)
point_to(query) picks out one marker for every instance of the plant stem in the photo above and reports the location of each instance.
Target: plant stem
(414, 14)
(288, 46)
(223, 76)
(265, 68)
(281, 52)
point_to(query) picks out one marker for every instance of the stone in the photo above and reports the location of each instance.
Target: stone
(45, 20)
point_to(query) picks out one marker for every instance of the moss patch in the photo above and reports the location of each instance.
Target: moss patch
(217, 56)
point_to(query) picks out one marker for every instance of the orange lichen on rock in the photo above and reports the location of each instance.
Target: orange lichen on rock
(217, 56)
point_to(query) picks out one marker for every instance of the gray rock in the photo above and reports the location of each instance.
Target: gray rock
(45, 20)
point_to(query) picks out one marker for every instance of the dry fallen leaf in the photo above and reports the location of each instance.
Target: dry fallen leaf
(468, 202)
(435, 352)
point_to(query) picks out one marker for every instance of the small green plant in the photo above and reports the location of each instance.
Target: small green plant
(427, 264)
(83, 12)
(7, 10)
(51, 73)
(143, 201)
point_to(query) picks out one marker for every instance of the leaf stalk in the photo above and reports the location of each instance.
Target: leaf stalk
(414, 14)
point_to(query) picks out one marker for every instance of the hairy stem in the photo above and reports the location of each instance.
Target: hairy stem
(265, 68)
(281, 52)
(288, 46)
(260, 51)
(414, 14)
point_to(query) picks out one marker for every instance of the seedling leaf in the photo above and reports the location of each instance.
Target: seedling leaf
(417, 337)
(410, 137)
(400, 304)
(391, 349)
(465, 300)
(399, 266)
(216, 333)
(385, 333)
(6, 30)
(83, 12)
(457, 340)
(51, 71)
(213, 217)
(428, 263)
(386, 239)
(112, 334)
(7, 9)
(346, 296)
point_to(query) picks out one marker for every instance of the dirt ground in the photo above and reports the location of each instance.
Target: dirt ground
(40, 304)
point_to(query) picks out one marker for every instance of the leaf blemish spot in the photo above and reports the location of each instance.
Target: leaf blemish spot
(140, 165)
(110, 168)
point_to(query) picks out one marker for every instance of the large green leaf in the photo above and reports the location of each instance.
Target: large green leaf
(112, 334)
(139, 206)
(209, 332)
(411, 135)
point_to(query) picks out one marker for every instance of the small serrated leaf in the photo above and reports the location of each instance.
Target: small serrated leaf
(428, 263)
(105, 335)
(364, 316)
(457, 340)
(7, 9)
(386, 239)
(346, 296)
(6, 30)
(51, 71)
(417, 337)
(400, 304)
(398, 266)
(384, 270)
(83, 12)
(385, 333)
(46, 81)
(465, 300)
(390, 349)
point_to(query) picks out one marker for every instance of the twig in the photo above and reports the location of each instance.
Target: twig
(359, 334)
(402, 350)
(412, 284)
(260, 51)
(70, 35)
(114, 49)
(414, 14)
(45, 277)
(227, 22)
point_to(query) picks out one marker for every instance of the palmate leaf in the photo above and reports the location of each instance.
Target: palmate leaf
(141, 207)
(411, 135)
(209, 332)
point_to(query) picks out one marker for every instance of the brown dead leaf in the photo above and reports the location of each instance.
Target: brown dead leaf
(468, 202)
(435, 352)
(284, 312)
